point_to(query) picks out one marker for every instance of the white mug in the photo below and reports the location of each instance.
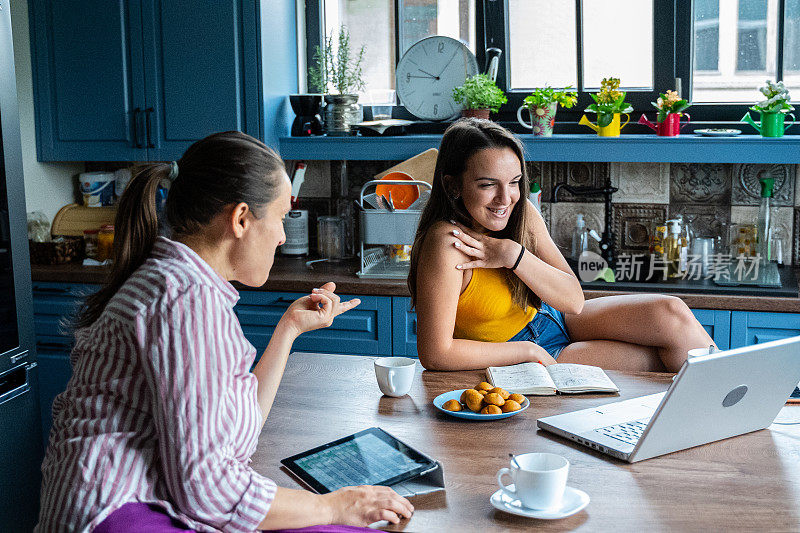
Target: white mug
(539, 479)
(699, 352)
(395, 374)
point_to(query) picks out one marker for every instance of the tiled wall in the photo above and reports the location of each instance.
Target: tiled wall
(710, 196)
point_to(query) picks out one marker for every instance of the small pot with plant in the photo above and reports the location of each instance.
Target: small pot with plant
(337, 73)
(479, 95)
(671, 108)
(542, 104)
(609, 104)
(774, 109)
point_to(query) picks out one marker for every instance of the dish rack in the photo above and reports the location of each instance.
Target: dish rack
(382, 227)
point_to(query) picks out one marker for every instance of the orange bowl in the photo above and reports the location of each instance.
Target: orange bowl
(402, 195)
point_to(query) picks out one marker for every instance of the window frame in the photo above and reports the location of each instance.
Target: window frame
(673, 27)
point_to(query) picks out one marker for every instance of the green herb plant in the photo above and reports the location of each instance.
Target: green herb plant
(479, 92)
(544, 96)
(337, 70)
(669, 102)
(776, 99)
(609, 101)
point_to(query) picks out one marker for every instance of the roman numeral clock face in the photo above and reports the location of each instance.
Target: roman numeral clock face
(427, 74)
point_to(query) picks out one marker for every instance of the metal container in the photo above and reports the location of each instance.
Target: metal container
(385, 228)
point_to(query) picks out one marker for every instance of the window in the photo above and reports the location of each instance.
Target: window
(387, 28)
(719, 52)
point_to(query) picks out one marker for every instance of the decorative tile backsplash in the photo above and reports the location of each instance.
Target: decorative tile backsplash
(710, 197)
(746, 188)
(696, 183)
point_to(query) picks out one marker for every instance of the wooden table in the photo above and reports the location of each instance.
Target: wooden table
(746, 483)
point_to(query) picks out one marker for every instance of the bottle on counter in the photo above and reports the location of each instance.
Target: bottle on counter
(580, 241)
(535, 196)
(764, 223)
(672, 249)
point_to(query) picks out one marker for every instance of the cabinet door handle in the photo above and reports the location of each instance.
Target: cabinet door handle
(148, 111)
(136, 112)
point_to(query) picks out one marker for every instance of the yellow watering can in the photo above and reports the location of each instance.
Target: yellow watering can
(612, 130)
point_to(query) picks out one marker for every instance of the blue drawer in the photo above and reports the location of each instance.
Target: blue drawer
(717, 324)
(748, 327)
(365, 330)
(404, 327)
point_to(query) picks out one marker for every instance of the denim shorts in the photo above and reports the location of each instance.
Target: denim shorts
(547, 329)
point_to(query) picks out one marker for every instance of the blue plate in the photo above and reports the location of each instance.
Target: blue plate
(466, 413)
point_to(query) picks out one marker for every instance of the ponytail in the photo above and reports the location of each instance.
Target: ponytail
(135, 232)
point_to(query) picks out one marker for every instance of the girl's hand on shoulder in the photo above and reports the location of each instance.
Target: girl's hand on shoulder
(483, 250)
(317, 310)
(361, 506)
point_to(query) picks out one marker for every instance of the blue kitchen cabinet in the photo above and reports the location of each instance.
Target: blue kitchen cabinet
(404, 328)
(53, 305)
(757, 327)
(365, 330)
(142, 79)
(717, 324)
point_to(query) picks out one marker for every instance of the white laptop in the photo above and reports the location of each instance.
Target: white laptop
(713, 397)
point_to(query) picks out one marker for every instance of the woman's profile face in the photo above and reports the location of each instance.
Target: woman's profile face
(490, 187)
(264, 236)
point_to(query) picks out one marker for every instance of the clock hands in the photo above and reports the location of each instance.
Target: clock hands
(448, 63)
(429, 75)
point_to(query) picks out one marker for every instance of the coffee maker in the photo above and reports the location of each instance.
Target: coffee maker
(307, 108)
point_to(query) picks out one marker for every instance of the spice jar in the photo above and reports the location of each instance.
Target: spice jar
(105, 242)
(90, 242)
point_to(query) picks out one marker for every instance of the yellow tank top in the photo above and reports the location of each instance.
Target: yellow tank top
(486, 311)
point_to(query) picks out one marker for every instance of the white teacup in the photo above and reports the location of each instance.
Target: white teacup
(395, 374)
(539, 479)
(699, 352)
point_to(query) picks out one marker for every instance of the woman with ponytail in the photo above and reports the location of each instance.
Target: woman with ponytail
(158, 422)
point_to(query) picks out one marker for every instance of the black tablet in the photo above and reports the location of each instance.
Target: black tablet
(369, 457)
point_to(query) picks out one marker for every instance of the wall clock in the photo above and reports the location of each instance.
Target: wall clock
(427, 74)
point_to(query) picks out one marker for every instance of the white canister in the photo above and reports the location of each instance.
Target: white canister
(97, 188)
(295, 226)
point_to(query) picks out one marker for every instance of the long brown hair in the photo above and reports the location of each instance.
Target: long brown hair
(461, 141)
(222, 169)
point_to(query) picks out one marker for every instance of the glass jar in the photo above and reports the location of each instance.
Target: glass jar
(90, 242)
(105, 242)
(330, 237)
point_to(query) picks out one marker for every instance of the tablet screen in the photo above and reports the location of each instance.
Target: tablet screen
(370, 457)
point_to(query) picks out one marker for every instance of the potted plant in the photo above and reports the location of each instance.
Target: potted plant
(670, 110)
(609, 104)
(479, 95)
(542, 104)
(774, 109)
(337, 73)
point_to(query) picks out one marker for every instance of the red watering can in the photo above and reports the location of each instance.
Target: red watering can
(669, 127)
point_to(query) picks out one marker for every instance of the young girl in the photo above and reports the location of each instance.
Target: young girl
(158, 423)
(491, 288)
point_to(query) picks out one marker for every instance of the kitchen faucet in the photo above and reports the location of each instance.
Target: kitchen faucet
(608, 238)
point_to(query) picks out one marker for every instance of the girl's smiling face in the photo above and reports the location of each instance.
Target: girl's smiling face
(490, 187)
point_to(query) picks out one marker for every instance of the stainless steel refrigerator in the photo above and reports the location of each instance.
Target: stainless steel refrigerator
(20, 428)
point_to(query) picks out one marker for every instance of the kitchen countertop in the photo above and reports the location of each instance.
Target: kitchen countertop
(291, 275)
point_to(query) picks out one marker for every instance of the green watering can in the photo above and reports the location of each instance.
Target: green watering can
(771, 125)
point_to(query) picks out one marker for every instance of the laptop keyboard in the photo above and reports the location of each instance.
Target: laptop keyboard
(629, 432)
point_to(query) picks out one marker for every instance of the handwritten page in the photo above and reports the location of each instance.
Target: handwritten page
(533, 378)
(570, 377)
(524, 378)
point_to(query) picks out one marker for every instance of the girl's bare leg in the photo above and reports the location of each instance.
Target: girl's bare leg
(660, 322)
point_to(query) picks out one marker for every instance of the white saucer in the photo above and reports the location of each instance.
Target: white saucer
(574, 500)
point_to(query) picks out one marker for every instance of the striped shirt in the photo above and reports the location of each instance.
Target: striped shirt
(161, 407)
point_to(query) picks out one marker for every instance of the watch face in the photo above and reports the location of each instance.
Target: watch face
(427, 74)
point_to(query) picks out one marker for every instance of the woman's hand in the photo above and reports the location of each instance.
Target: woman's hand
(317, 310)
(485, 251)
(361, 506)
(537, 354)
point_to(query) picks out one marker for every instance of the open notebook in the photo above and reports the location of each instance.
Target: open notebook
(534, 378)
